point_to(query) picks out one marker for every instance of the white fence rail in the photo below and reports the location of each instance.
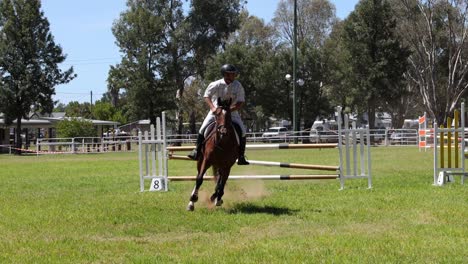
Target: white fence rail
(85, 144)
(379, 137)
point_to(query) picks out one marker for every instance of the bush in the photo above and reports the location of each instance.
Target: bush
(75, 127)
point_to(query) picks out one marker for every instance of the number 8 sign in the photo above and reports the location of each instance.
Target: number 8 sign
(157, 184)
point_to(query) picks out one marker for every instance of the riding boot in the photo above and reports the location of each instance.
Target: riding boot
(241, 160)
(194, 154)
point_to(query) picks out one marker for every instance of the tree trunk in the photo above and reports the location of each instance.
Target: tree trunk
(193, 126)
(18, 139)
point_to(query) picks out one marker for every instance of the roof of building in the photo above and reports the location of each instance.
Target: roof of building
(51, 121)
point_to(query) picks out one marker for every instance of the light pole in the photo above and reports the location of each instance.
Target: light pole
(295, 125)
(300, 82)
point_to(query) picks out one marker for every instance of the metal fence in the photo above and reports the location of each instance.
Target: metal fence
(385, 137)
(379, 137)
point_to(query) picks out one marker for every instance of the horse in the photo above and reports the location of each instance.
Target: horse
(220, 150)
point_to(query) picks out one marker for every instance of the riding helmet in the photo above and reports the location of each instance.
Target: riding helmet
(228, 68)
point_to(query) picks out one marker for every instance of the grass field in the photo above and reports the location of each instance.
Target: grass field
(88, 209)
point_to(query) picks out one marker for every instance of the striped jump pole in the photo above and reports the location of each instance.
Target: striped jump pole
(265, 146)
(446, 164)
(260, 177)
(274, 164)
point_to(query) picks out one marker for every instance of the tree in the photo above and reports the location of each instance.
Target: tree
(29, 60)
(163, 48)
(75, 109)
(60, 107)
(139, 33)
(116, 81)
(75, 127)
(436, 32)
(377, 58)
(337, 72)
(252, 50)
(194, 104)
(315, 22)
(106, 111)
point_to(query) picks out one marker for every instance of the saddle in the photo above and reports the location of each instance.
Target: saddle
(211, 127)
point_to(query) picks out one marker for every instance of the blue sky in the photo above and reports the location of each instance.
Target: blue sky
(83, 29)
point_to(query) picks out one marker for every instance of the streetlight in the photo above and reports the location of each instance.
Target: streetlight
(300, 82)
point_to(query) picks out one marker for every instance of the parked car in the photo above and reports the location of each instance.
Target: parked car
(275, 134)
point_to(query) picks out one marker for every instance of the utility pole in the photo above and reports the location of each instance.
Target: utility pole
(91, 97)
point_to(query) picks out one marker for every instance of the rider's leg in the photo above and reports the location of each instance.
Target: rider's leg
(200, 138)
(195, 152)
(242, 160)
(243, 139)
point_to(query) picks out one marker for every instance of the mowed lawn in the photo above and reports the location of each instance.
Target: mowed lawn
(88, 209)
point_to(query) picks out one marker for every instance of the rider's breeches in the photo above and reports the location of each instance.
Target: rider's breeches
(234, 116)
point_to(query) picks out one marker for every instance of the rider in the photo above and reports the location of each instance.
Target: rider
(225, 88)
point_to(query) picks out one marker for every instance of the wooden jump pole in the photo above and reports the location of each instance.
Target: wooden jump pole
(260, 177)
(266, 146)
(275, 164)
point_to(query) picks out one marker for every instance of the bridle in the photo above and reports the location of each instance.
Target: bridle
(220, 128)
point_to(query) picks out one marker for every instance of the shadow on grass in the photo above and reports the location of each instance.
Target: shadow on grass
(254, 209)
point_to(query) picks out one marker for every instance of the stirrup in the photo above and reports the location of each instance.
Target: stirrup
(193, 155)
(242, 161)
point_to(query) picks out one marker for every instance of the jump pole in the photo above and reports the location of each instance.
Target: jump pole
(266, 146)
(260, 177)
(275, 164)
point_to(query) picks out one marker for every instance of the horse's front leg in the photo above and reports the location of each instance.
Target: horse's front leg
(223, 175)
(202, 168)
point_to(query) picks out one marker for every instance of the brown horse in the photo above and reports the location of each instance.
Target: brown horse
(220, 150)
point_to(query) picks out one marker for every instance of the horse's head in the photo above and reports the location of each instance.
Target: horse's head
(223, 115)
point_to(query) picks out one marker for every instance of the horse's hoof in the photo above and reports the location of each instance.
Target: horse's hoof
(213, 198)
(190, 207)
(219, 202)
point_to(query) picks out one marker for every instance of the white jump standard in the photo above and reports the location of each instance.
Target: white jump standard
(354, 158)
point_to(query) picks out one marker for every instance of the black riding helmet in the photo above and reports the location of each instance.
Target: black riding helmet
(228, 68)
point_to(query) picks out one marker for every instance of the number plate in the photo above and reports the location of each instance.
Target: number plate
(157, 184)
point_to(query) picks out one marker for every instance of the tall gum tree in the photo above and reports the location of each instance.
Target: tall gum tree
(29, 63)
(377, 58)
(436, 31)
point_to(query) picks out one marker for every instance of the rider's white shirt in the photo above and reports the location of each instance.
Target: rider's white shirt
(219, 88)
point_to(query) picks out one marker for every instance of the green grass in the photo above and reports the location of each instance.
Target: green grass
(88, 209)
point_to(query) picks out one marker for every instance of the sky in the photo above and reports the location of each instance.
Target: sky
(83, 30)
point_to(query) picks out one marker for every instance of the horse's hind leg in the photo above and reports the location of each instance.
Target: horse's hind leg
(202, 167)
